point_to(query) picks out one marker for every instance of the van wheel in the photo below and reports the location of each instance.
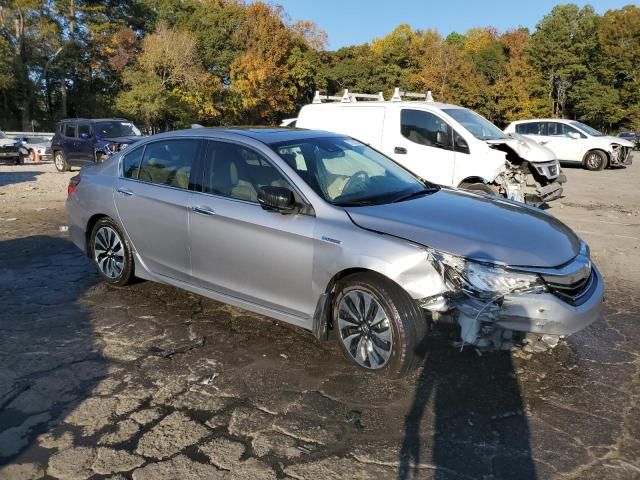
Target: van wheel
(111, 253)
(60, 161)
(379, 326)
(595, 160)
(479, 187)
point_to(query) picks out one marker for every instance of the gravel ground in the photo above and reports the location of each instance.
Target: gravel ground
(151, 382)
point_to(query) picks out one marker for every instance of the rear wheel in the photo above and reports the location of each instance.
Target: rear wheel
(111, 253)
(595, 160)
(60, 161)
(379, 326)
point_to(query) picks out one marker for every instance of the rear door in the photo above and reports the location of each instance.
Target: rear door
(84, 143)
(153, 200)
(69, 141)
(411, 139)
(242, 250)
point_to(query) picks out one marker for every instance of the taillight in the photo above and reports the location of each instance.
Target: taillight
(73, 184)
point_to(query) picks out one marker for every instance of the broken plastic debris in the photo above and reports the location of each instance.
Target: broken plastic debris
(283, 356)
(208, 380)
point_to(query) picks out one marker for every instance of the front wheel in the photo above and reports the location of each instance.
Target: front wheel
(60, 161)
(111, 253)
(479, 187)
(379, 326)
(595, 160)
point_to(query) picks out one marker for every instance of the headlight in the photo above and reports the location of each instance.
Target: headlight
(485, 280)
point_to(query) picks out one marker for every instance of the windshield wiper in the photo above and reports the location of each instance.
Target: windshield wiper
(419, 193)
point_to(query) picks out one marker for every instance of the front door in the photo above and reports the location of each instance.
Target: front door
(242, 250)
(422, 143)
(84, 144)
(153, 200)
(565, 141)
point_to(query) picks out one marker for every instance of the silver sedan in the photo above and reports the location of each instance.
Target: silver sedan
(321, 231)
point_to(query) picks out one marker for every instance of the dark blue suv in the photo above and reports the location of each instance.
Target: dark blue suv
(80, 141)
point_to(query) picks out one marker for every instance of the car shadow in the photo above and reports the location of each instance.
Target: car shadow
(8, 178)
(49, 361)
(480, 429)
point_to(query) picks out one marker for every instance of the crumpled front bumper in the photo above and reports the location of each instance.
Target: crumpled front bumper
(545, 313)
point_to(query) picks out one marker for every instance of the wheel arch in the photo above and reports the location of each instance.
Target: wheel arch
(89, 228)
(471, 180)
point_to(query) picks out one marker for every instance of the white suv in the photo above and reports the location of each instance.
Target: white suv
(445, 144)
(574, 141)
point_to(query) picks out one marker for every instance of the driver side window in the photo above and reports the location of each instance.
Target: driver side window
(425, 128)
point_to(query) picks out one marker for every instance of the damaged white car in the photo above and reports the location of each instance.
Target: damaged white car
(575, 142)
(445, 144)
(321, 231)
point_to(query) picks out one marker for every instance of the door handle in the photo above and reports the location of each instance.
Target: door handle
(543, 142)
(400, 150)
(203, 210)
(125, 191)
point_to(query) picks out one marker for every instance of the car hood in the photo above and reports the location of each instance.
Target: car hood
(475, 226)
(127, 140)
(526, 148)
(618, 140)
(7, 141)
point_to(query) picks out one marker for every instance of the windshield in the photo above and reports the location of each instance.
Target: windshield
(346, 172)
(480, 127)
(116, 129)
(587, 129)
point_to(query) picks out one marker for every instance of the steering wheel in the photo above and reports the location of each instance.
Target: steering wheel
(360, 177)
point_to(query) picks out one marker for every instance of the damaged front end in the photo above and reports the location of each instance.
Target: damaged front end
(620, 155)
(532, 174)
(498, 307)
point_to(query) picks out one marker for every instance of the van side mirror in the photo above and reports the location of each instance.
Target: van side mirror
(279, 199)
(442, 139)
(84, 136)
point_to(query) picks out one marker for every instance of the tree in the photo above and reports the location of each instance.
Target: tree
(168, 86)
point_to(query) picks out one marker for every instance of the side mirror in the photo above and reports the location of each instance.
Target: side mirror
(574, 135)
(280, 199)
(84, 136)
(442, 139)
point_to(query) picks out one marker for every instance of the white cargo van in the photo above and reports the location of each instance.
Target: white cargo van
(445, 144)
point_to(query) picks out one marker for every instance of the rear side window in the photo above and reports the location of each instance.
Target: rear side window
(70, 130)
(131, 163)
(423, 127)
(169, 162)
(531, 128)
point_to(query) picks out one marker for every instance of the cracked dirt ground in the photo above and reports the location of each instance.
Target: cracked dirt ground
(150, 382)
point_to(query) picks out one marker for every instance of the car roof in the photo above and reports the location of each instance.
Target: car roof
(267, 135)
(545, 120)
(93, 120)
(392, 104)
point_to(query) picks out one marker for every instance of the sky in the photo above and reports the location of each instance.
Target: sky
(351, 22)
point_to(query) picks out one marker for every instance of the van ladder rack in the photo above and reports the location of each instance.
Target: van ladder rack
(353, 97)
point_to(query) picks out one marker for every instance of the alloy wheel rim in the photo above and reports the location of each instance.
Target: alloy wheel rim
(365, 329)
(58, 159)
(593, 160)
(108, 252)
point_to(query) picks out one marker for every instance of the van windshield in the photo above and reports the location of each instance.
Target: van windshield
(346, 172)
(480, 127)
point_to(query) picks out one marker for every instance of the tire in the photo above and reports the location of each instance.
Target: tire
(386, 345)
(60, 161)
(479, 187)
(111, 252)
(595, 160)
